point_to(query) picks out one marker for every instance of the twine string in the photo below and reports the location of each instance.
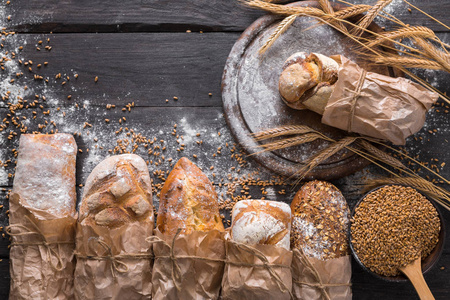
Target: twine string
(319, 283)
(265, 264)
(353, 98)
(51, 252)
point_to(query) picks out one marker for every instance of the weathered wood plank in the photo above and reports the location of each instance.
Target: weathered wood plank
(174, 15)
(145, 68)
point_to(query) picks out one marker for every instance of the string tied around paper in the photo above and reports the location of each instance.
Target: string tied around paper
(117, 263)
(23, 230)
(264, 264)
(176, 269)
(356, 93)
(319, 283)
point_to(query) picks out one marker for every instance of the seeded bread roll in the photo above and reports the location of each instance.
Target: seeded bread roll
(307, 80)
(45, 173)
(118, 191)
(320, 221)
(261, 222)
(188, 200)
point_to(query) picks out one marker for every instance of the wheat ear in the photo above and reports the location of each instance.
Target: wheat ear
(282, 27)
(280, 131)
(406, 62)
(382, 156)
(434, 53)
(370, 16)
(289, 142)
(406, 32)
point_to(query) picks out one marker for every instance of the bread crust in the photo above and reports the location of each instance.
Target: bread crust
(188, 201)
(261, 222)
(45, 173)
(118, 191)
(320, 218)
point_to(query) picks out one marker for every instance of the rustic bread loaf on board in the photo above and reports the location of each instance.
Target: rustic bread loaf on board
(261, 222)
(118, 191)
(307, 81)
(188, 201)
(320, 218)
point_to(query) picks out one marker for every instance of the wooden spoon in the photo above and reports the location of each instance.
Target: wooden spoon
(414, 272)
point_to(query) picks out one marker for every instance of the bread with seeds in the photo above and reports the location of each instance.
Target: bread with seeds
(188, 201)
(261, 222)
(320, 218)
(118, 191)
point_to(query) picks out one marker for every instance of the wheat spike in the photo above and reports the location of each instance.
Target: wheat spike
(382, 156)
(282, 27)
(280, 131)
(406, 62)
(434, 53)
(370, 16)
(325, 154)
(405, 32)
(327, 8)
(349, 12)
(289, 142)
(283, 9)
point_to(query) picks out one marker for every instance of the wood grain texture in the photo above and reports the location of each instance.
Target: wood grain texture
(145, 68)
(174, 15)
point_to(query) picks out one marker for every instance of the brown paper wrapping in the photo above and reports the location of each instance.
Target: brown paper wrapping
(315, 279)
(377, 105)
(41, 255)
(113, 263)
(257, 272)
(193, 270)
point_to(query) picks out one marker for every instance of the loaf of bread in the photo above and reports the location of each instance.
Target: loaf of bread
(320, 218)
(307, 81)
(45, 173)
(118, 191)
(188, 201)
(261, 222)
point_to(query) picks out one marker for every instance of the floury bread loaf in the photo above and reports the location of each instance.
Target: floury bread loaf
(259, 261)
(261, 222)
(43, 217)
(320, 221)
(116, 219)
(118, 191)
(189, 234)
(188, 201)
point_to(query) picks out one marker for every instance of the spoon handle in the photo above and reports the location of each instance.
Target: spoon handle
(414, 272)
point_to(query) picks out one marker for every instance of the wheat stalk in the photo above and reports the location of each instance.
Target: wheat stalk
(382, 156)
(280, 131)
(405, 32)
(325, 154)
(370, 16)
(289, 142)
(281, 28)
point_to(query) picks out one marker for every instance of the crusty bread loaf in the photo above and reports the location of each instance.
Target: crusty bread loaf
(45, 173)
(307, 81)
(261, 222)
(188, 201)
(118, 191)
(320, 218)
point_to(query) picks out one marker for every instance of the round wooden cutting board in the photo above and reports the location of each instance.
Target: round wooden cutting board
(252, 102)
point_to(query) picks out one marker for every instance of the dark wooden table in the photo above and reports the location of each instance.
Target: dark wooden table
(144, 54)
